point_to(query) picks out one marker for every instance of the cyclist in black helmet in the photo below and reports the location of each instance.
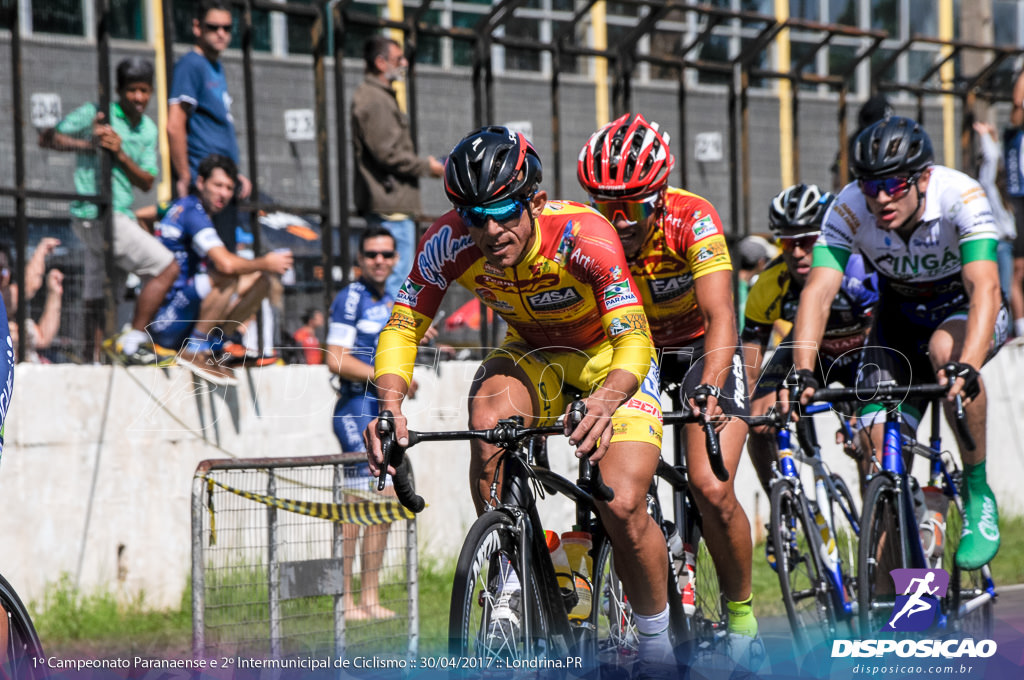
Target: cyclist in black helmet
(795, 218)
(929, 232)
(555, 271)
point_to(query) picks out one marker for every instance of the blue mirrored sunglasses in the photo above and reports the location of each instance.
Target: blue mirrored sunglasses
(894, 187)
(501, 212)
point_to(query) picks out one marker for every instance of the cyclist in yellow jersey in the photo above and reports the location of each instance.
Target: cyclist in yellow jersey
(677, 254)
(556, 273)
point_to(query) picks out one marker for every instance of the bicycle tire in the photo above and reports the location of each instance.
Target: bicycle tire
(491, 546)
(615, 641)
(801, 573)
(964, 586)
(843, 508)
(24, 652)
(882, 541)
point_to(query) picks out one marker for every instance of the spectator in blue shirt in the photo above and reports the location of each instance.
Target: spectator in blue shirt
(199, 121)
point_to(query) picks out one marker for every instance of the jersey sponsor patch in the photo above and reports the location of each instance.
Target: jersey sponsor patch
(619, 294)
(550, 300)
(703, 228)
(491, 300)
(521, 286)
(663, 290)
(438, 250)
(626, 322)
(409, 293)
(402, 320)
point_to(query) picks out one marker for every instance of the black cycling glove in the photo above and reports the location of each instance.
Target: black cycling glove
(970, 374)
(800, 380)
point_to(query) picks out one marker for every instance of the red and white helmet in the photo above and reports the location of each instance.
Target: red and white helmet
(627, 158)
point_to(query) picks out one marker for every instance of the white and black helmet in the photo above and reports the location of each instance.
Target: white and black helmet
(800, 209)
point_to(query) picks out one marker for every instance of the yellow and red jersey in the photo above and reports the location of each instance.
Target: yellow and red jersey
(571, 289)
(687, 243)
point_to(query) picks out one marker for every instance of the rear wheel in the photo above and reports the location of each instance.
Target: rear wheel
(23, 658)
(882, 543)
(801, 574)
(488, 620)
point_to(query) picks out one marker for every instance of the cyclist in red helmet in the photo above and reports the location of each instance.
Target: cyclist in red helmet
(555, 272)
(676, 249)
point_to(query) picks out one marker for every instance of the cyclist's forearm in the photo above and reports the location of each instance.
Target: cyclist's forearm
(616, 389)
(981, 319)
(391, 392)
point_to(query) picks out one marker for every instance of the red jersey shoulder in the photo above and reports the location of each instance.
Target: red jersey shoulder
(583, 241)
(445, 251)
(689, 218)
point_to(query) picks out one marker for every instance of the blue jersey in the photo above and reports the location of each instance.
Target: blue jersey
(200, 85)
(357, 317)
(6, 369)
(189, 234)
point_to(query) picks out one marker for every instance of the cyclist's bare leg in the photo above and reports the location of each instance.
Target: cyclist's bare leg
(500, 390)
(629, 467)
(945, 345)
(761, 444)
(375, 541)
(726, 527)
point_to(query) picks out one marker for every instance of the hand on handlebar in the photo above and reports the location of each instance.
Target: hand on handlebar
(704, 401)
(594, 426)
(374, 452)
(799, 387)
(963, 379)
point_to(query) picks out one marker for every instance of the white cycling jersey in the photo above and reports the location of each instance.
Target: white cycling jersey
(957, 227)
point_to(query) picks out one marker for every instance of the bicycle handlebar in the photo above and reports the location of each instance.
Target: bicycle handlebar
(892, 394)
(711, 442)
(508, 433)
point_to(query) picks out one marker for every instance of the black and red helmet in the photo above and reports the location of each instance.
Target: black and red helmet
(627, 158)
(491, 164)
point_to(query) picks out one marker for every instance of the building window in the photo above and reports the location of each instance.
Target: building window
(127, 19)
(66, 17)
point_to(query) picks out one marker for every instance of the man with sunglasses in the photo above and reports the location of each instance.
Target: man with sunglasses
(199, 121)
(554, 271)
(677, 254)
(795, 218)
(928, 231)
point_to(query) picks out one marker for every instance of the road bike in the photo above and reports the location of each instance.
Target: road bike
(812, 532)
(507, 544)
(890, 525)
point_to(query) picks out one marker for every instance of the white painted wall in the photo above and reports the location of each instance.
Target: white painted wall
(99, 457)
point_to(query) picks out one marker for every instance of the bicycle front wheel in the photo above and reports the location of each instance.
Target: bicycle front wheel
(489, 617)
(882, 541)
(23, 658)
(801, 573)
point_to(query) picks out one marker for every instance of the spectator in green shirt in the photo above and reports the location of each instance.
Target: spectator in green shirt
(130, 137)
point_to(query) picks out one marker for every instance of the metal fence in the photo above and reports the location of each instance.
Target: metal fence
(274, 562)
(297, 59)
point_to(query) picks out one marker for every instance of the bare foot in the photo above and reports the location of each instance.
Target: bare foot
(355, 612)
(375, 611)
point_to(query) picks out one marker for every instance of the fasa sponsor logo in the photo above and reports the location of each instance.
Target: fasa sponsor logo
(438, 250)
(918, 594)
(409, 293)
(663, 290)
(554, 299)
(703, 228)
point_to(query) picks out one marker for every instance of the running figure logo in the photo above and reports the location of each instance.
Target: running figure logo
(916, 607)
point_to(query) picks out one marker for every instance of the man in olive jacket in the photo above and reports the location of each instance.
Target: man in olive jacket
(387, 189)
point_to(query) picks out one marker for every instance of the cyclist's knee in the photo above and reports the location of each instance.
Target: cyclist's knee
(716, 498)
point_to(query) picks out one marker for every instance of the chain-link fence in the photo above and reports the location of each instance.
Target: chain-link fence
(291, 556)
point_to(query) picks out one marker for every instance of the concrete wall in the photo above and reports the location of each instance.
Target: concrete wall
(98, 458)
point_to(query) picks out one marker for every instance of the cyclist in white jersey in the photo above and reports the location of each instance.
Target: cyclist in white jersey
(929, 232)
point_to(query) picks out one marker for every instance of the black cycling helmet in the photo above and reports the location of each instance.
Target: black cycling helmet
(892, 146)
(491, 164)
(800, 209)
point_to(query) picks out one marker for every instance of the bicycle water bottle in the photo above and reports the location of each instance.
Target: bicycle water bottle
(577, 546)
(933, 527)
(560, 561)
(823, 518)
(684, 564)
